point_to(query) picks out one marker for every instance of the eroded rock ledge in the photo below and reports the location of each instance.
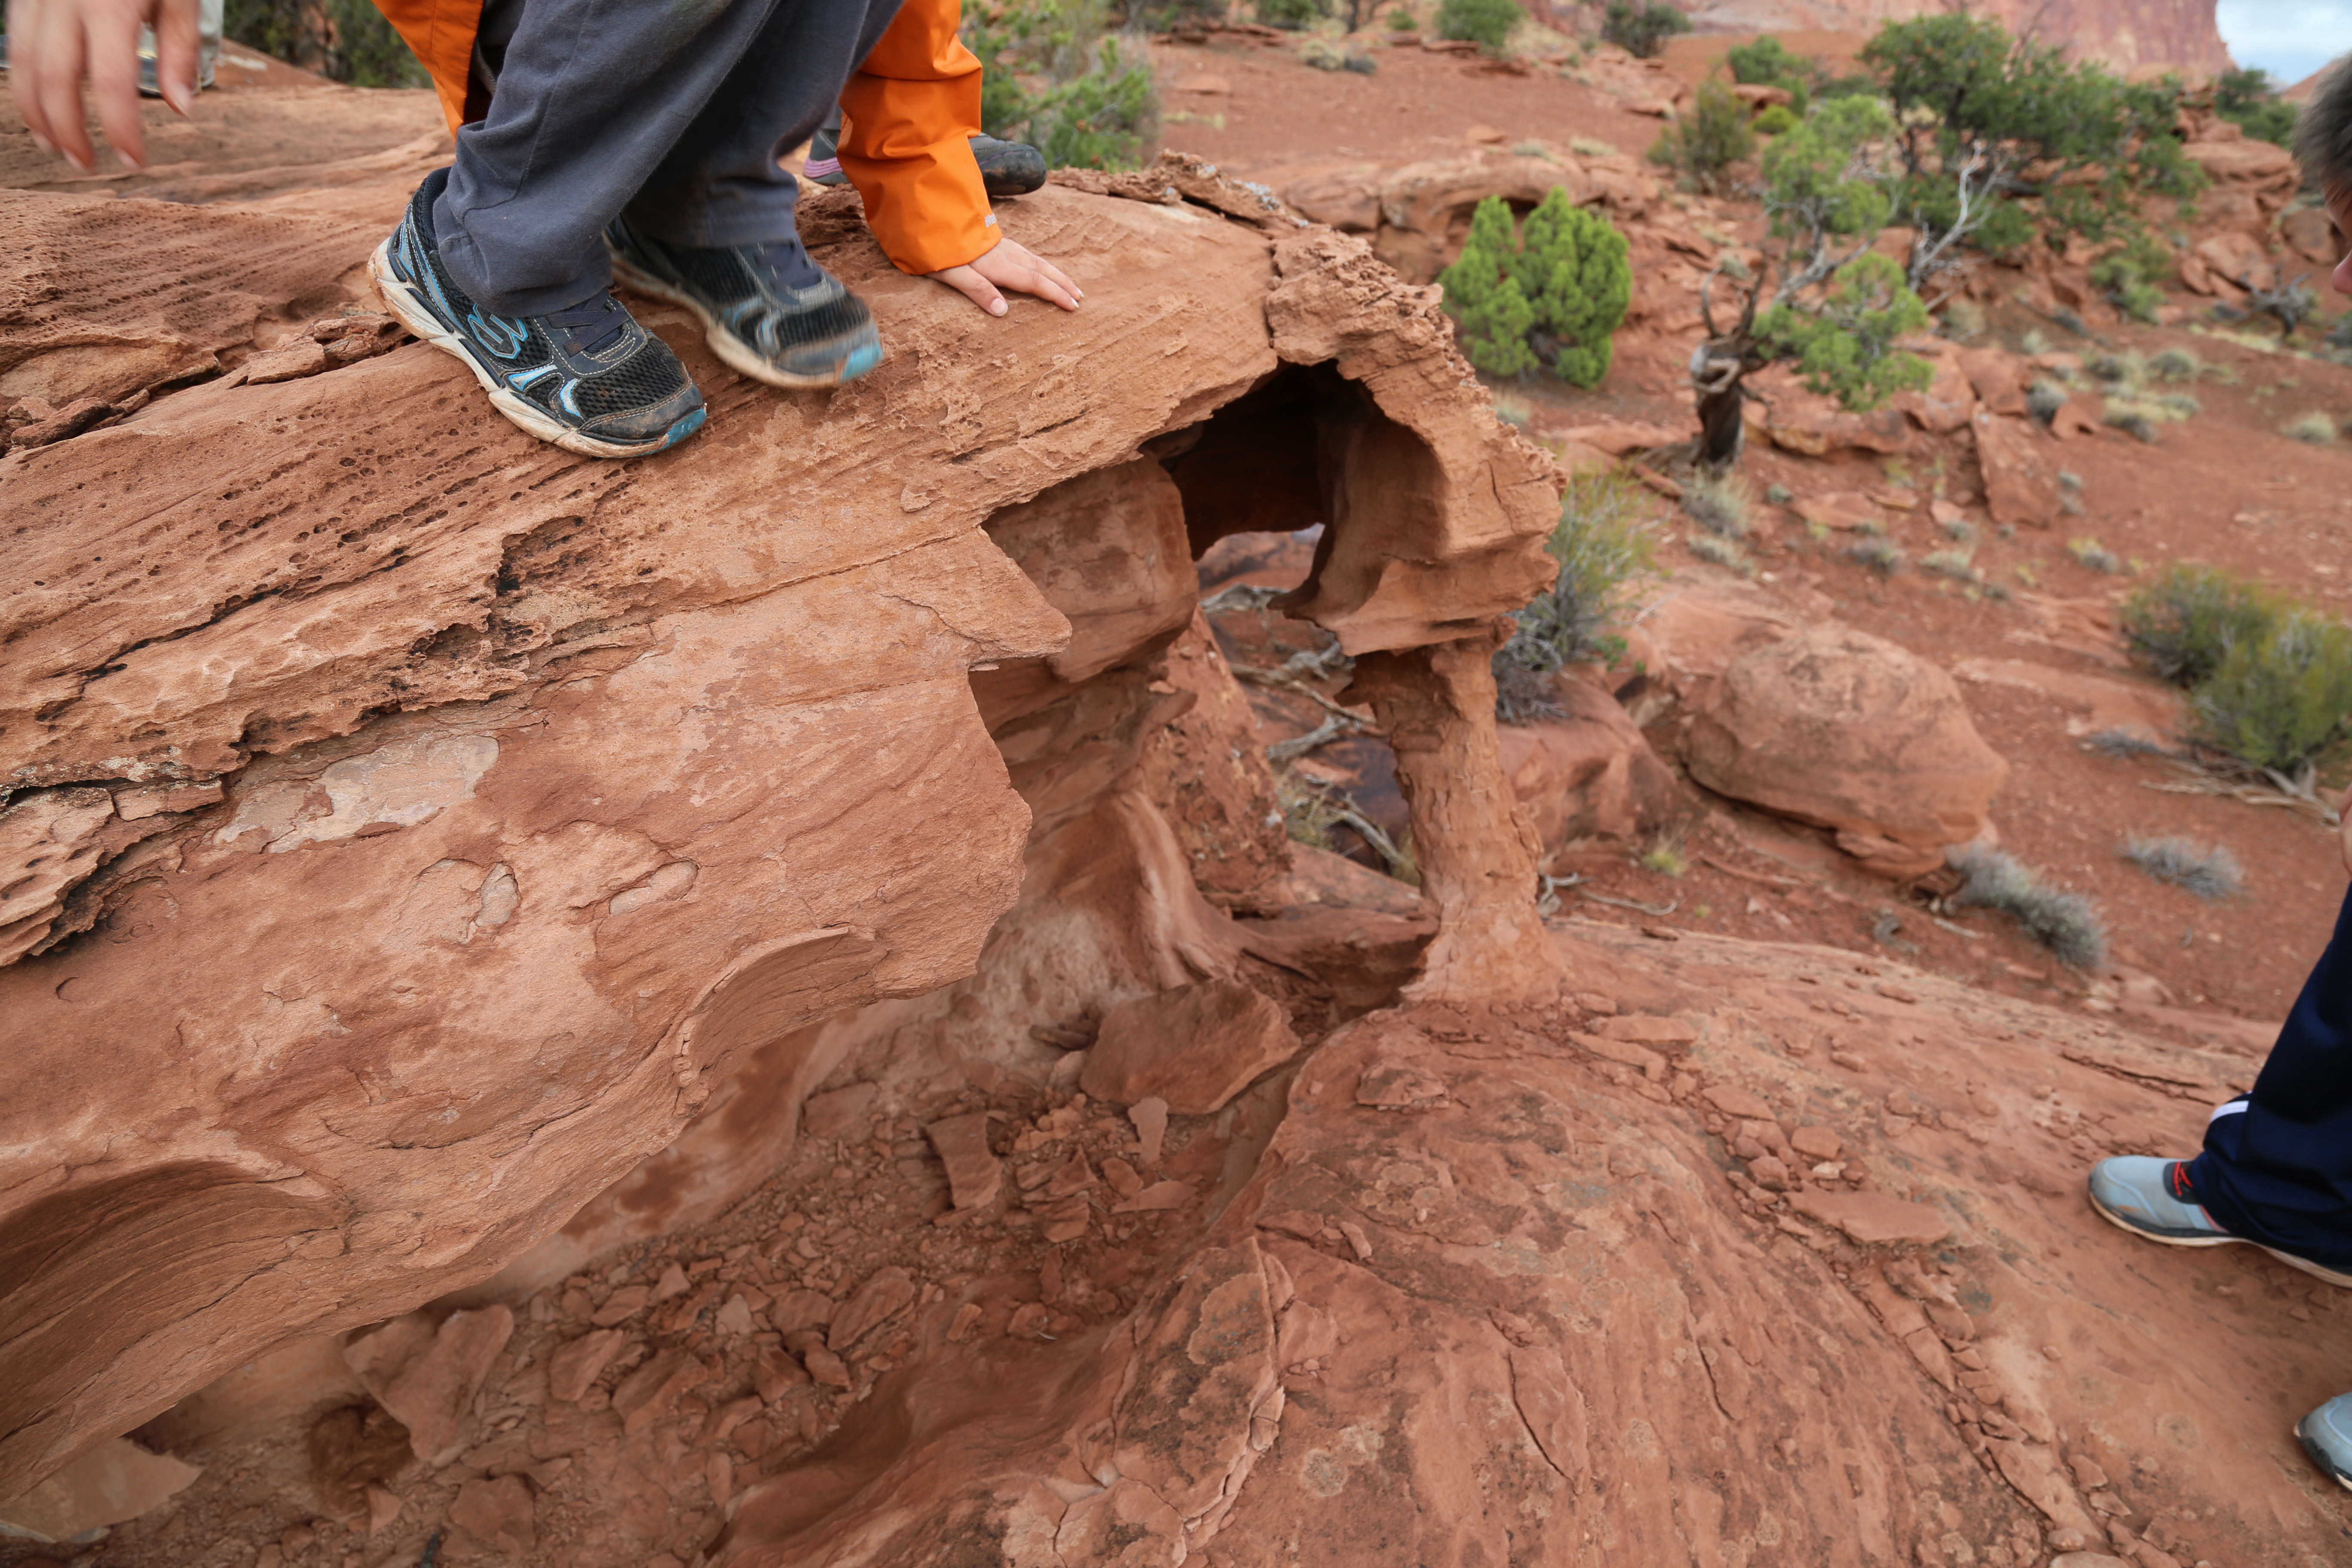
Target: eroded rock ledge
(415, 828)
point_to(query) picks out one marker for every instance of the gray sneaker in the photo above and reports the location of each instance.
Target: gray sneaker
(2326, 1436)
(2152, 1198)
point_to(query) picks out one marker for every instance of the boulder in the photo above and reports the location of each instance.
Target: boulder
(116, 1480)
(1851, 733)
(1998, 378)
(1195, 1046)
(2237, 258)
(1800, 420)
(1947, 402)
(1844, 511)
(2311, 233)
(1587, 776)
(2019, 486)
(1350, 202)
(2243, 161)
(1424, 207)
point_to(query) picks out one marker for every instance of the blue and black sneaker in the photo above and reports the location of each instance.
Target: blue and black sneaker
(587, 377)
(767, 309)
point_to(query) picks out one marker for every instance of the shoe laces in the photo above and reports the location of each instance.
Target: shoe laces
(593, 324)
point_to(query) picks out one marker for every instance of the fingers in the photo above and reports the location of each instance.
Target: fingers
(176, 53)
(1013, 266)
(51, 89)
(111, 34)
(966, 280)
(1061, 278)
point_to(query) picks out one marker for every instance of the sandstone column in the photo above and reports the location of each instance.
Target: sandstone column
(1475, 847)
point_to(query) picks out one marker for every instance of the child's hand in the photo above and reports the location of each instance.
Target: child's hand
(52, 43)
(1008, 263)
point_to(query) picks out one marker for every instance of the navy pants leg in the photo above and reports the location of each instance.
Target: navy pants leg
(674, 111)
(2279, 1171)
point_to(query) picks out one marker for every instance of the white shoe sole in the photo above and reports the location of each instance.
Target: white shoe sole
(2223, 1238)
(734, 352)
(401, 300)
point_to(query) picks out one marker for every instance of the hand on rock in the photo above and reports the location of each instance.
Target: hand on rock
(53, 44)
(1008, 263)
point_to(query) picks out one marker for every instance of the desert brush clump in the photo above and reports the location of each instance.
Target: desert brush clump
(1778, 121)
(1878, 552)
(1703, 145)
(1718, 504)
(2132, 277)
(2314, 429)
(2269, 681)
(1602, 546)
(1717, 550)
(1487, 23)
(2250, 99)
(1551, 295)
(1959, 565)
(2182, 625)
(2067, 924)
(1641, 27)
(2097, 557)
(1053, 76)
(2176, 364)
(1768, 62)
(2043, 399)
(2211, 872)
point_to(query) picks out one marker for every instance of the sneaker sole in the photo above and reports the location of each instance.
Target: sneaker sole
(399, 297)
(737, 354)
(2317, 1455)
(2206, 1239)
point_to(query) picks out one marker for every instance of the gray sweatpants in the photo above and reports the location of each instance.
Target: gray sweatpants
(674, 111)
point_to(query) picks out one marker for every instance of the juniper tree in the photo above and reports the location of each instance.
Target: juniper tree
(1830, 187)
(1483, 295)
(1574, 271)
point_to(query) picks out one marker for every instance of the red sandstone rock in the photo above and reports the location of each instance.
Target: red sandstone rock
(1587, 776)
(1195, 1048)
(1851, 733)
(2021, 488)
(426, 1374)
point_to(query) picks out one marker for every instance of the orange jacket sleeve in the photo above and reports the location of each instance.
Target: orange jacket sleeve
(441, 32)
(908, 117)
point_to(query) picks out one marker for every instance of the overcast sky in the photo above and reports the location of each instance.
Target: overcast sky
(2288, 38)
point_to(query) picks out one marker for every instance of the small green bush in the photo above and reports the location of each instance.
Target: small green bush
(2250, 98)
(2068, 924)
(1845, 350)
(2282, 695)
(1719, 505)
(342, 40)
(1766, 62)
(1777, 120)
(1878, 552)
(1552, 296)
(2096, 557)
(1403, 21)
(2183, 625)
(1642, 30)
(1487, 23)
(1604, 549)
(1289, 14)
(2314, 428)
(1052, 77)
(1704, 144)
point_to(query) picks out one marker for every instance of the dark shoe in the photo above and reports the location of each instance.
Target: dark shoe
(1008, 168)
(824, 165)
(587, 377)
(767, 309)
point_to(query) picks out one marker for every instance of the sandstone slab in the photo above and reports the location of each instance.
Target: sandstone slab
(1195, 1046)
(2021, 488)
(1874, 1220)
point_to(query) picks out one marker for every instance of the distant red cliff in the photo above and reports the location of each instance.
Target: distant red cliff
(2125, 34)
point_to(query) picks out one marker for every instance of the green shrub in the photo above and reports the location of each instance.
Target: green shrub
(2077, 143)
(2068, 924)
(1403, 21)
(1553, 296)
(1604, 549)
(2250, 98)
(1574, 268)
(2182, 625)
(2281, 694)
(1777, 120)
(1845, 349)
(1704, 144)
(1487, 23)
(1642, 30)
(343, 40)
(1482, 294)
(1766, 62)
(1051, 77)
(2132, 277)
(1289, 14)
(2314, 428)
